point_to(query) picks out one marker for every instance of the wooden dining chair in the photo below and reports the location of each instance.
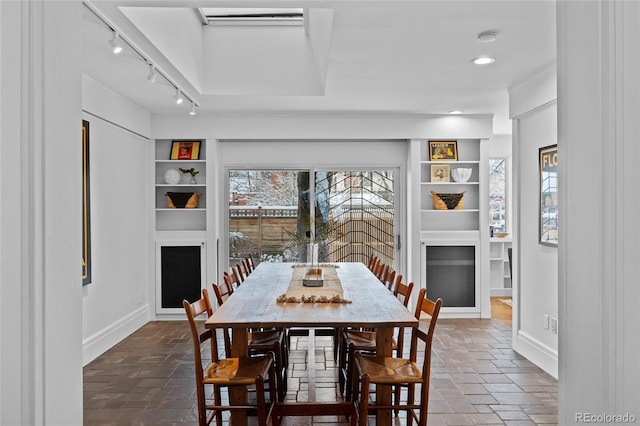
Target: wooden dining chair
(365, 341)
(231, 280)
(225, 372)
(398, 371)
(373, 260)
(261, 342)
(389, 279)
(239, 273)
(247, 262)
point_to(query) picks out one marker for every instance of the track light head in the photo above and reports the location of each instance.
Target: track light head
(151, 78)
(193, 109)
(178, 97)
(115, 44)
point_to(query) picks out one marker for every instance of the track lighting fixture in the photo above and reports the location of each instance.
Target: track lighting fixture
(151, 78)
(193, 109)
(115, 44)
(179, 98)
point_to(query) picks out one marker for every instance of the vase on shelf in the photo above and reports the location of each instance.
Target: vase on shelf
(192, 181)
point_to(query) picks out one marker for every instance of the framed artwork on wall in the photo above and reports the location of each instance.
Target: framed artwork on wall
(548, 203)
(440, 173)
(443, 150)
(86, 207)
(185, 150)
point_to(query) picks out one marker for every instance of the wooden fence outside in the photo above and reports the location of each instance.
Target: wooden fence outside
(267, 231)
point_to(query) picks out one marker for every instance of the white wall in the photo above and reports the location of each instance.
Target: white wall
(327, 127)
(40, 224)
(117, 302)
(535, 267)
(599, 130)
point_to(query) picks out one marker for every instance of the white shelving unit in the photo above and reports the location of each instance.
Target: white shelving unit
(456, 239)
(179, 232)
(170, 219)
(500, 266)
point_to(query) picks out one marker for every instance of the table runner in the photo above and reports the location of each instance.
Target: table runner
(330, 292)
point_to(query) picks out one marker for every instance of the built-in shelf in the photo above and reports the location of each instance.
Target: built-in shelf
(179, 219)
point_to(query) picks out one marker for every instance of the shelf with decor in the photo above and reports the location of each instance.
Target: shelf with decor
(453, 206)
(459, 174)
(180, 185)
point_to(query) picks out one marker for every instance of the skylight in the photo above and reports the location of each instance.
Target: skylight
(251, 16)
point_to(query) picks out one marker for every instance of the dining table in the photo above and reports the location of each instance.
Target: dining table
(272, 297)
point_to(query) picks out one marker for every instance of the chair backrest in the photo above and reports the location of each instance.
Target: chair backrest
(380, 270)
(222, 294)
(372, 262)
(403, 292)
(229, 281)
(431, 308)
(222, 291)
(194, 310)
(239, 275)
(394, 284)
(248, 265)
(373, 267)
(389, 278)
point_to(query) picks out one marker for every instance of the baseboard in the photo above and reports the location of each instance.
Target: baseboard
(100, 342)
(501, 292)
(538, 353)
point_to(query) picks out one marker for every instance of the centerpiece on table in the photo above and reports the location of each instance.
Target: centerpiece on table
(311, 244)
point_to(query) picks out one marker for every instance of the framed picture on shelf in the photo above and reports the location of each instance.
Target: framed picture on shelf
(548, 203)
(440, 173)
(185, 150)
(443, 150)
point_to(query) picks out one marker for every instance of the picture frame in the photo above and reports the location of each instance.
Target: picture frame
(443, 150)
(185, 150)
(440, 173)
(86, 207)
(548, 196)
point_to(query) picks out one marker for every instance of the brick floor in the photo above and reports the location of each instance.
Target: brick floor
(476, 379)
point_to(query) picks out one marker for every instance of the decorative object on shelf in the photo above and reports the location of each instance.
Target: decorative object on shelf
(185, 150)
(193, 172)
(183, 200)
(172, 177)
(443, 150)
(500, 234)
(440, 173)
(461, 174)
(548, 217)
(450, 201)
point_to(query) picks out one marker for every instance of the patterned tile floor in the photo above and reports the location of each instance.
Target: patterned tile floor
(147, 379)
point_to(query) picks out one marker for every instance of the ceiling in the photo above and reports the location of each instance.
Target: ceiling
(389, 57)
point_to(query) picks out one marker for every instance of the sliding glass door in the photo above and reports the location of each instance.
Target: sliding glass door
(296, 215)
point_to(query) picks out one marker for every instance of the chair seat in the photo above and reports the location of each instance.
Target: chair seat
(364, 340)
(388, 370)
(240, 371)
(264, 338)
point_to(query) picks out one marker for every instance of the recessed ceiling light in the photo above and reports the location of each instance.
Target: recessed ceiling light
(483, 60)
(455, 112)
(487, 36)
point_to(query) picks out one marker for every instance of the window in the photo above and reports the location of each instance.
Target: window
(498, 194)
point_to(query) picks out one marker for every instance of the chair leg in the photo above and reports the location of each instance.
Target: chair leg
(350, 372)
(342, 367)
(364, 400)
(260, 400)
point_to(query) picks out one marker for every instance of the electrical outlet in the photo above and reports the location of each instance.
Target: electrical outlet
(554, 326)
(546, 322)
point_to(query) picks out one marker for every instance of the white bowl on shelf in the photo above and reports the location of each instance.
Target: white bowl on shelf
(461, 174)
(172, 177)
